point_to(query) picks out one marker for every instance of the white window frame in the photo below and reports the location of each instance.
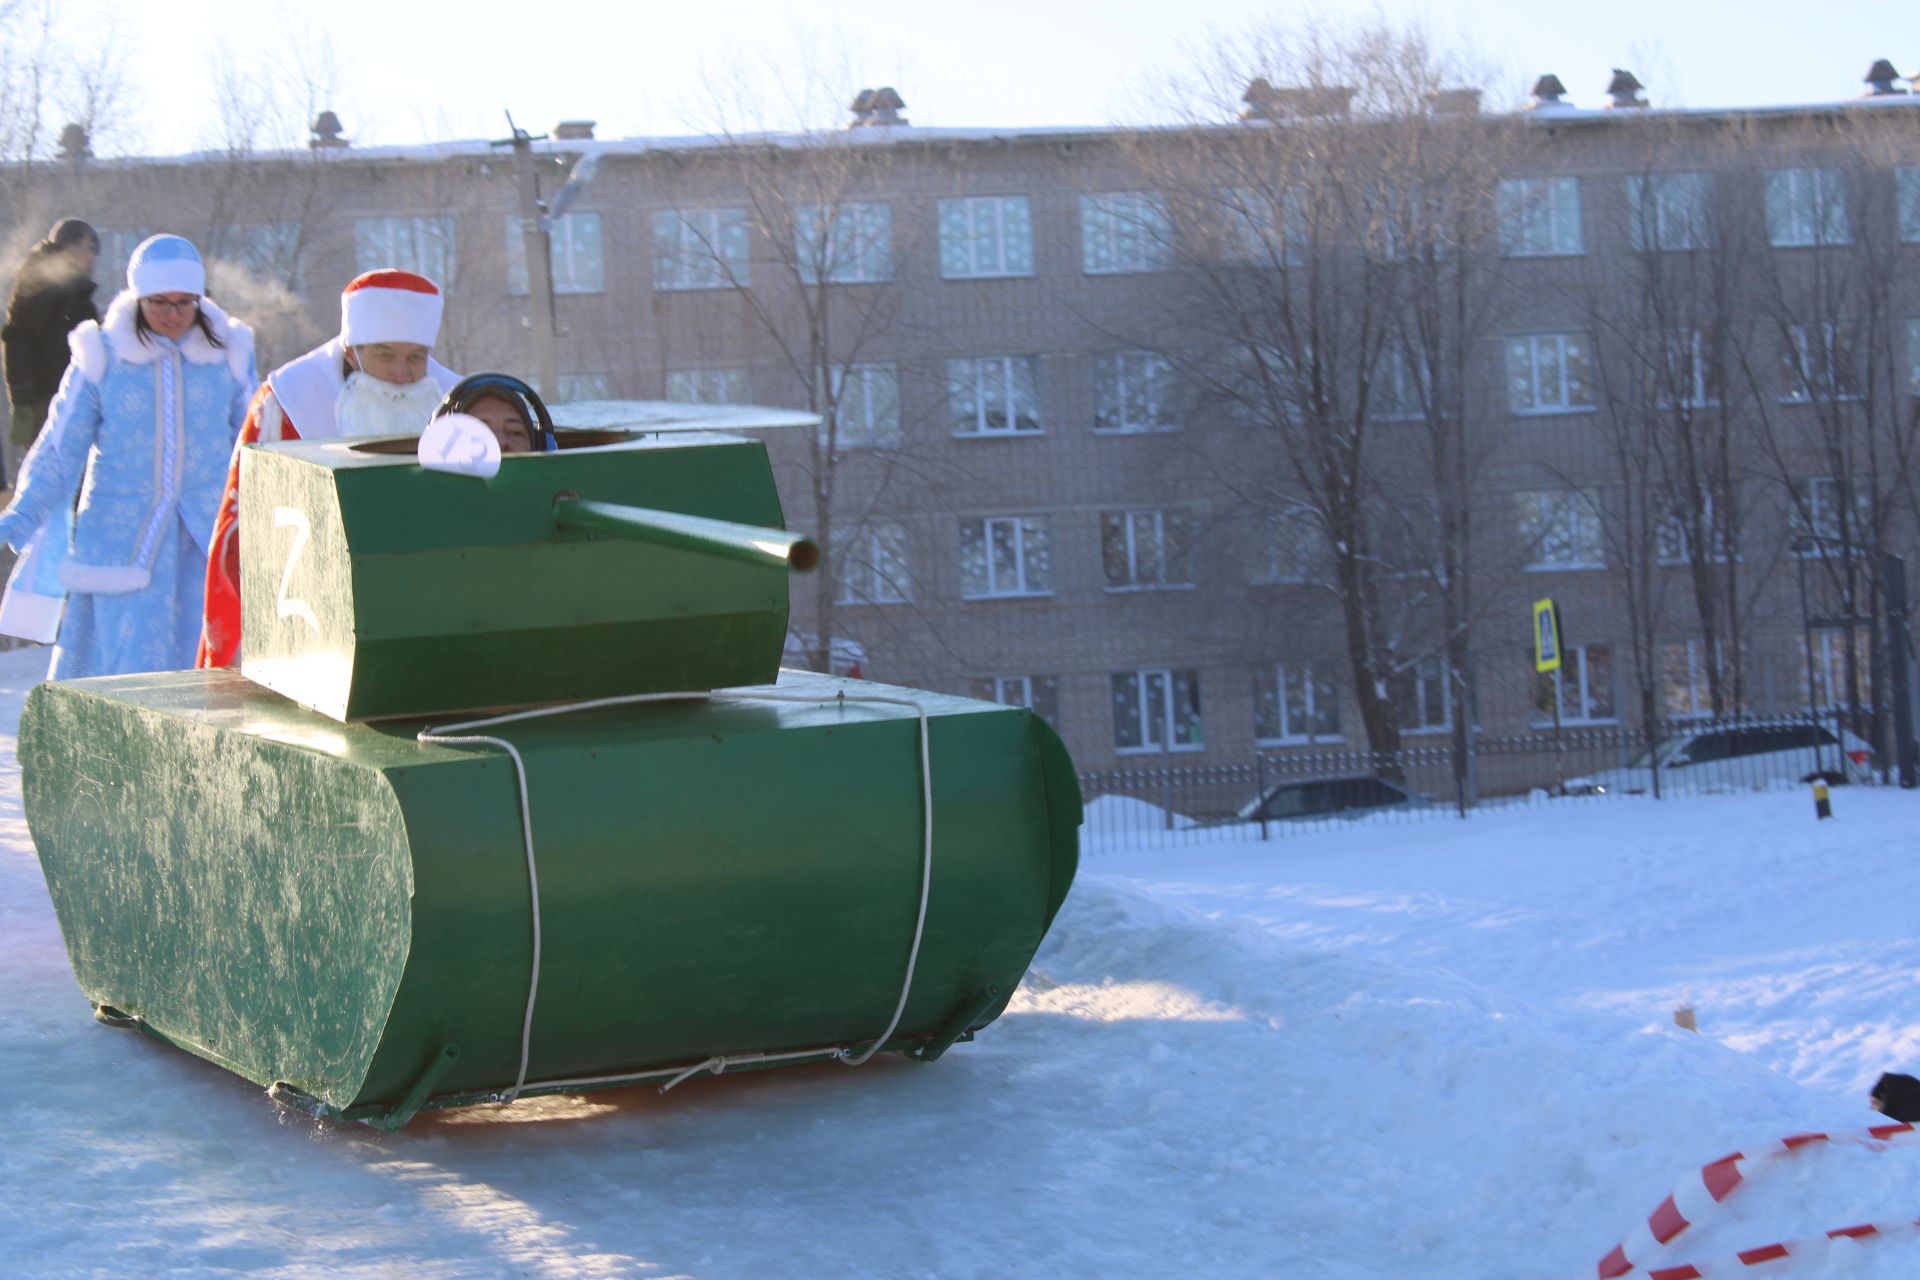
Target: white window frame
(1158, 711)
(1688, 358)
(1140, 533)
(270, 249)
(1420, 682)
(1819, 363)
(1807, 208)
(420, 243)
(702, 248)
(1567, 518)
(1274, 686)
(577, 257)
(1906, 196)
(1120, 378)
(1829, 663)
(726, 384)
(1816, 512)
(1010, 381)
(1038, 694)
(982, 246)
(1540, 218)
(1667, 212)
(1292, 550)
(1401, 376)
(1123, 233)
(1575, 682)
(1683, 671)
(1259, 229)
(855, 245)
(1031, 573)
(1530, 355)
(868, 397)
(1672, 546)
(597, 386)
(876, 566)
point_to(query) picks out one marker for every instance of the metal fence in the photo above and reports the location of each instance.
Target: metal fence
(1286, 793)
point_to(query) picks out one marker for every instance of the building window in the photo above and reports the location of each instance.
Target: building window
(1816, 518)
(1400, 387)
(1122, 232)
(1259, 229)
(1549, 373)
(1540, 217)
(994, 395)
(573, 248)
(1145, 549)
(1156, 709)
(1423, 697)
(575, 387)
(1561, 529)
(1688, 376)
(264, 249)
(1291, 549)
(1668, 210)
(423, 246)
(1583, 684)
(1906, 194)
(874, 567)
(1673, 539)
(867, 397)
(1818, 363)
(700, 249)
(1038, 694)
(1005, 556)
(1686, 690)
(985, 237)
(848, 244)
(1293, 704)
(1838, 684)
(1807, 207)
(1913, 357)
(707, 386)
(1133, 391)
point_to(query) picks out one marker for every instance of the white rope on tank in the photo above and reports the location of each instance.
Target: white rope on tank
(460, 735)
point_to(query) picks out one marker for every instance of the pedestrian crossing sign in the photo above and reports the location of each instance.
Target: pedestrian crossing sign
(1546, 636)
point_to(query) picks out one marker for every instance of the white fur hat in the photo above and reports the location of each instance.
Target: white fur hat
(390, 306)
(165, 264)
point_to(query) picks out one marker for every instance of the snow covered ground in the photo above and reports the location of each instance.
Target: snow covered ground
(1441, 1050)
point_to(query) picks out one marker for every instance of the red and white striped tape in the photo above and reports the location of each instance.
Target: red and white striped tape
(1712, 1183)
(1785, 1249)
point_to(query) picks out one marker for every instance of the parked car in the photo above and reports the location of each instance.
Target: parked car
(1727, 757)
(1349, 797)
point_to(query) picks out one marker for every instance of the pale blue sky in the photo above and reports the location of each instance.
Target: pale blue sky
(407, 72)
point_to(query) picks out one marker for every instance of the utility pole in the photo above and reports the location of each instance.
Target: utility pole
(533, 228)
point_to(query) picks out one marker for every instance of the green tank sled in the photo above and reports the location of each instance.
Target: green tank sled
(509, 796)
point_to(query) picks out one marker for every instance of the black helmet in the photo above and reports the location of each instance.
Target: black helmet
(470, 390)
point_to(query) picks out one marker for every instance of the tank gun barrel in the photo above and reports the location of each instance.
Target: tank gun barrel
(748, 543)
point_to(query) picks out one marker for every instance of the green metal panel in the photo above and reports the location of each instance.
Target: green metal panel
(371, 587)
(333, 905)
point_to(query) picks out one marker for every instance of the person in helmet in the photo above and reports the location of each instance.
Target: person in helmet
(511, 409)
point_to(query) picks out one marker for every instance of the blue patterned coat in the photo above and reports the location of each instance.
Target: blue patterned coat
(141, 431)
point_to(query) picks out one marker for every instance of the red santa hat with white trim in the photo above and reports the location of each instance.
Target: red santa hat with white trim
(389, 305)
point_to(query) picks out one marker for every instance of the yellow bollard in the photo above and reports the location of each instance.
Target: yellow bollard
(1822, 807)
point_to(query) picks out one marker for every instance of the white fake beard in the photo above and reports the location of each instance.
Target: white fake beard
(370, 407)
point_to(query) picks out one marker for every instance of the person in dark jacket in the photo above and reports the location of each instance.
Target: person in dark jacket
(52, 295)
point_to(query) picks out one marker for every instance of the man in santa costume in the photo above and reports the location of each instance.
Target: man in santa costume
(377, 378)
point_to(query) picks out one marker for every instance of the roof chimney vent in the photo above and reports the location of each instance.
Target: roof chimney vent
(326, 132)
(1882, 80)
(74, 144)
(1317, 102)
(878, 109)
(1454, 102)
(1624, 92)
(1547, 94)
(574, 130)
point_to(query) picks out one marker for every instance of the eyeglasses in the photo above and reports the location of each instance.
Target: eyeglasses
(172, 304)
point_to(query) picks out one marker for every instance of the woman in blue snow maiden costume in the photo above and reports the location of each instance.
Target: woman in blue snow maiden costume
(141, 429)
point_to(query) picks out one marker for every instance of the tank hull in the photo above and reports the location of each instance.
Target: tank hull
(349, 914)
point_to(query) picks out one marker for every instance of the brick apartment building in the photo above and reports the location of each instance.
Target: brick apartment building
(1694, 338)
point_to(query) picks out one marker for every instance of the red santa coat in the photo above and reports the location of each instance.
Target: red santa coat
(296, 402)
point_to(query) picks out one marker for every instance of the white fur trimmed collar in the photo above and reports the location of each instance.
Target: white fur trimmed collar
(91, 341)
